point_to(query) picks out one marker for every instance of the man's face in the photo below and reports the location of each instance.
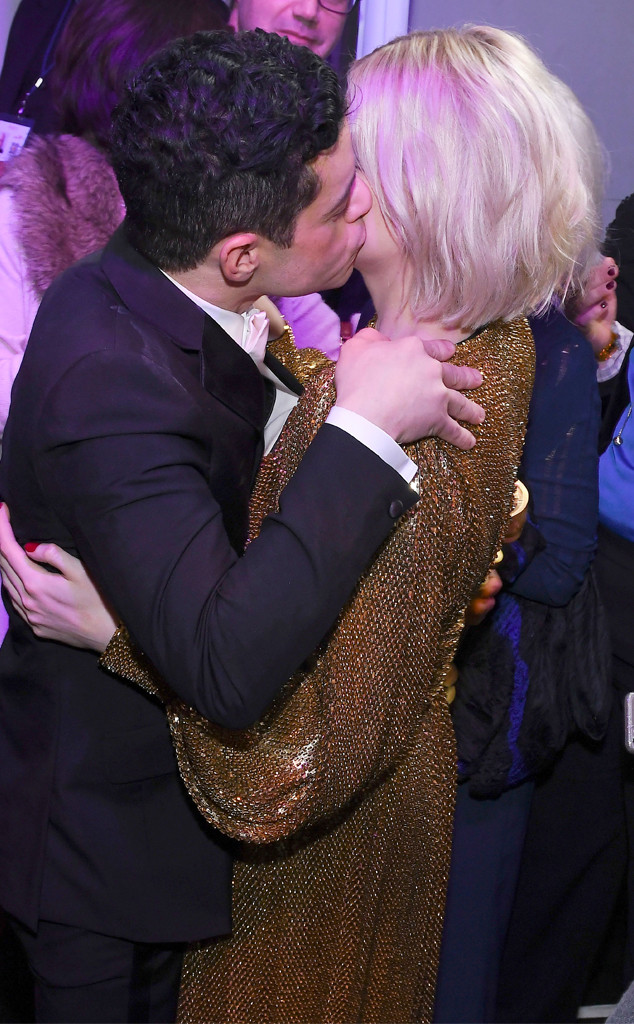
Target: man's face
(303, 22)
(328, 233)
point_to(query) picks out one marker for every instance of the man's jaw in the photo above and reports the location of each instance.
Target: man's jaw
(346, 271)
(358, 250)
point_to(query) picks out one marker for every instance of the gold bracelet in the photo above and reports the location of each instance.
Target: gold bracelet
(609, 349)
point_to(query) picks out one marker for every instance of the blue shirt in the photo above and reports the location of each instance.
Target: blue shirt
(616, 472)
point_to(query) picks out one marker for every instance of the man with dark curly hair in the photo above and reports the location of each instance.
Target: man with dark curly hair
(138, 421)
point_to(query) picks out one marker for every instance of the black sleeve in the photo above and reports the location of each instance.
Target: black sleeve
(619, 243)
(130, 484)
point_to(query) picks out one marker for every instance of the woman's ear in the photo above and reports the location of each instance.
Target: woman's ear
(239, 257)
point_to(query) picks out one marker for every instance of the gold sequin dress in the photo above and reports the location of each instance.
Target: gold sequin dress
(341, 798)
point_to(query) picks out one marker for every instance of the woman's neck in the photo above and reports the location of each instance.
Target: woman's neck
(394, 317)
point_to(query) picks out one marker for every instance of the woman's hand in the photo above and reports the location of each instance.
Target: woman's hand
(483, 601)
(277, 322)
(594, 311)
(63, 605)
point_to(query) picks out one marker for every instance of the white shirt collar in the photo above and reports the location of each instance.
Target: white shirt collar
(235, 324)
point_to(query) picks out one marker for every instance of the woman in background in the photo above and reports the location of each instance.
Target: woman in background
(59, 199)
(533, 674)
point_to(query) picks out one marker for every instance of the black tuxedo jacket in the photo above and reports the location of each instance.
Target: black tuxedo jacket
(133, 439)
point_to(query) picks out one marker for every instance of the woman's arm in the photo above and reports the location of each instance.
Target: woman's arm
(18, 303)
(559, 465)
(619, 244)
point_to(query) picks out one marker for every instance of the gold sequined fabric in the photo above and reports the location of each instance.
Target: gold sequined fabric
(342, 796)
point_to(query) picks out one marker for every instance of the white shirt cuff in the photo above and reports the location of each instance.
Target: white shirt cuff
(375, 439)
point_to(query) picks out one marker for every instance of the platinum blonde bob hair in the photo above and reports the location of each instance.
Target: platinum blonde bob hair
(485, 167)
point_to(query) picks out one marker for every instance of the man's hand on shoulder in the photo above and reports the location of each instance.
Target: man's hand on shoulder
(407, 388)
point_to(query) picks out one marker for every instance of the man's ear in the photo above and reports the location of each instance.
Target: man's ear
(233, 16)
(239, 257)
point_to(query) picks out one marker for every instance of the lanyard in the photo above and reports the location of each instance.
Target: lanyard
(48, 59)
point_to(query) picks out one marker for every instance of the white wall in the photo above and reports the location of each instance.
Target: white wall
(7, 10)
(379, 21)
(588, 43)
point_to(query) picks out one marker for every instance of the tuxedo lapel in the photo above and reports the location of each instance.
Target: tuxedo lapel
(146, 291)
(282, 374)
(226, 371)
(231, 376)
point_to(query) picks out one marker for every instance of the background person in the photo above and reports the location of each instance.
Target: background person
(534, 673)
(59, 200)
(581, 824)
(312, 23)
(28, 59)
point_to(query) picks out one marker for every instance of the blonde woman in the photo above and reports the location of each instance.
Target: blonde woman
(482, 171)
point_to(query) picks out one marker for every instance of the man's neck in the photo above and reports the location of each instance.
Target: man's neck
(214, 289)
(235, 324)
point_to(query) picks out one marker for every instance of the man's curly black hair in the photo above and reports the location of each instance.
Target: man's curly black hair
(216, 135)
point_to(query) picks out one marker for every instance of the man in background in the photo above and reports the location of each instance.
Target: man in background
(312, 23)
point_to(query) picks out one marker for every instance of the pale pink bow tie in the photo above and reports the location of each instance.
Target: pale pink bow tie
(256, 335)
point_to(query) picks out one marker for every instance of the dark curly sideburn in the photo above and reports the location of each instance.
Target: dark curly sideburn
(216, 135)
